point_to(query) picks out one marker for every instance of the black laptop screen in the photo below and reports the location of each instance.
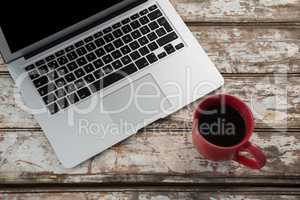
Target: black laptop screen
(24, 24)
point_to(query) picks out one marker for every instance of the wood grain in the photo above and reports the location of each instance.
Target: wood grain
(190, 194)
(249, 49)
(274, 100)
(149, 157)
(238, 10)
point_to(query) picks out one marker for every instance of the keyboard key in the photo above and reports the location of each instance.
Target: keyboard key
(135, 24)
(90, 46)
(79, 44)
(43, 70)
(152, 58)
(62, 60)
(98, 34)
(99, 42)
(53, 75)
(81, 51)
(107, 30)
(79, 73)
(60, 53)
(89, 78)
(179, 46)
(79, 83)
(143, 12)
(49, 98)
(145, 30)
(141, 63)
(151, 8)
(49, 58)
(81, 61)
(135, 16)
(161, 32)
(144, 50)
(70, 88)
(125, 21)
(167, 39)
(33, 74)
(100, 52)
(135, 55)
(144, 20)
(60, 82)
(98, 63)
(154, 15)
(91, 57)
(72, 66)
(162, 55)
(118, 33)
(72, 56)
(88, 39)
(70, 77)
(89, 68)
(47, 89)
(118, 43)
(63, 103)
(143, 41)
(117, 64)
(129, 69)
(126, 29)
(152, 36)
(125, 50)
(84, 93)
(53, 64)
(153, 25)
(53, 108)
(117, 25)
(109, 48)
(39, 63)
(169, 49)
(153, 46)
(134, 45)
(73, 98)
(126, 60)
(99, 74)
(116, 54)
(127, 38)
(62, 71)
(40, 81)
(30, 67)
(69, 48)
(107, 59)
(107, 69)
(136, 34)
(60, 93)
(109, 37)
(163, 22)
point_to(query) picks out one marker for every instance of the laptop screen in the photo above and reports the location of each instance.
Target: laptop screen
(30, 23)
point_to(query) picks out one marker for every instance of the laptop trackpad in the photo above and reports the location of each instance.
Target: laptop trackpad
(137, 104)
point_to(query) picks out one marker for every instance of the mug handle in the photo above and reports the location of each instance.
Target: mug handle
(257, 162)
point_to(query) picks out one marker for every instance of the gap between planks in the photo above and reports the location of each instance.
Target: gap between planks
(141, 188)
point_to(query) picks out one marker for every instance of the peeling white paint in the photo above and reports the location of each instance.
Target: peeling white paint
(277, 2)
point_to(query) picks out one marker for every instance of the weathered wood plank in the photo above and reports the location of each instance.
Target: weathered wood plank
(238, 10)
(145, 195)
(149, 156)
(274, 100)
(249, 49)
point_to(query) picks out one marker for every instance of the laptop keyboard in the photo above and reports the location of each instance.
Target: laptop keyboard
(76, 72)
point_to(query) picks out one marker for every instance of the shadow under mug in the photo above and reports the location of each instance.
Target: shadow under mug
(218, 153)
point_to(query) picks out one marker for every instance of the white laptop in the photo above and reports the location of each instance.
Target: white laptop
(95, 73)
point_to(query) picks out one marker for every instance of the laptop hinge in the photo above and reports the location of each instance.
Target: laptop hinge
(86, 28)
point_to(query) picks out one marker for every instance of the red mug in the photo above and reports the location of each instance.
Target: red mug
(218, 153)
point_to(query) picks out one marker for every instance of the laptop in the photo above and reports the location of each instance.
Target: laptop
(95, 73)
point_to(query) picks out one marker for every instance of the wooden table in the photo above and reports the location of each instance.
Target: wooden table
(256, 45)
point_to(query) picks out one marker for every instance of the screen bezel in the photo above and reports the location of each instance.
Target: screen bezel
(9, 56)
